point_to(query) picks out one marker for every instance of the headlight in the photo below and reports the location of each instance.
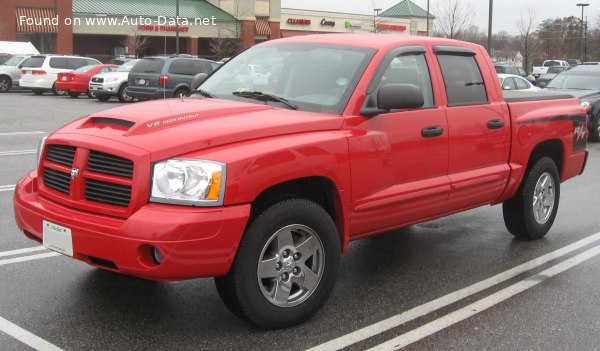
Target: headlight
(587, 106)
(188, 182)
(40, 149)
(113, 79)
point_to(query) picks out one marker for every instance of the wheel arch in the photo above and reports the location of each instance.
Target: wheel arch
(318, 189)
(3, 75)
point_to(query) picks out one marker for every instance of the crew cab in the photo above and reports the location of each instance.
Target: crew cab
(543, 69)
(355, 135)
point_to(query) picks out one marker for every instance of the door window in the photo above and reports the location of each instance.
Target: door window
(410, 69)
(462, 79)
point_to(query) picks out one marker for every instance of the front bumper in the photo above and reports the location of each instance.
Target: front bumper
(194, 242)
(106, 88)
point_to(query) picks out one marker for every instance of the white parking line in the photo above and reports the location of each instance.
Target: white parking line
(446, 300)
(28, 258)
(485, 303)
(7, 188)
(26, 337)
(22, 133)
(18, 152)
(21, 251)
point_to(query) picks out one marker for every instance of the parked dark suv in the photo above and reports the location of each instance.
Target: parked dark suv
(165, 76)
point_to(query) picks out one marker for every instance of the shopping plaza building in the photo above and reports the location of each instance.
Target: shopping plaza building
(109, 28)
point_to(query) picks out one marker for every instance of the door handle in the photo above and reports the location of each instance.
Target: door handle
(429, 132)
(495, 124)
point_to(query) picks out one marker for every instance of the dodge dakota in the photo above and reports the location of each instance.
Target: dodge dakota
(263, 184)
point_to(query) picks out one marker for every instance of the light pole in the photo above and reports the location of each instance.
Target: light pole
(427, 17)
(177, 27)
(489, 42)
(583, 39)
(375, 14)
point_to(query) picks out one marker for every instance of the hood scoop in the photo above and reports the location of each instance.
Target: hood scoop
(116, 123)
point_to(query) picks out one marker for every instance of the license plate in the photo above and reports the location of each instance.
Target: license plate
(142, 81)
(64, 78)
(57, 238)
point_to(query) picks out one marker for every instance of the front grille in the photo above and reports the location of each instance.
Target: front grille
(61, 154)
(101, 181)
(57, 180)
(108, 193)
(97, 80)
(109, 164)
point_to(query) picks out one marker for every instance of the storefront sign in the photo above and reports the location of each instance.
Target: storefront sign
(300, 21)
(349, 24)
(325, 22)
(384, 26)
(152, 28)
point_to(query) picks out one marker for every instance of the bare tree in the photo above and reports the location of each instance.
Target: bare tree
(226, 43)
(136, 42)
(528, 40)
(454, 18)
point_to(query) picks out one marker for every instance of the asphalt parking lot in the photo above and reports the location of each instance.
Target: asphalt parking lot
(458, 283)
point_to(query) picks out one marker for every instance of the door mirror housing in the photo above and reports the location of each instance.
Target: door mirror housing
(198, 79)
(399, 97)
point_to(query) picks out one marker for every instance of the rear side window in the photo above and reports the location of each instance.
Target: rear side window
(35, 62)
(463, 80)
(59, 62)
(181, 66)
(91, 62)
(149, 65)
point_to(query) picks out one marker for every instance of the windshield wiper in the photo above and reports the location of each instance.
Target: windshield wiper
(203, 93)
(260, 96)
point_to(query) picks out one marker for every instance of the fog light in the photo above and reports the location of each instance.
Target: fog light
(157, 255)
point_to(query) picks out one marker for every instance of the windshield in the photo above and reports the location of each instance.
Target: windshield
(85, 69)
(311, 77)
(126, 67)
(576, 80)
(13, 61)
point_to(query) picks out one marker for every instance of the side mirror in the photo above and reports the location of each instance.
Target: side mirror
(20, 66)
(542, 84)
(198, 79)
(399, 96)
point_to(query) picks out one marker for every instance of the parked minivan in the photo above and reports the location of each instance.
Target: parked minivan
(161, 77)
(39, 72)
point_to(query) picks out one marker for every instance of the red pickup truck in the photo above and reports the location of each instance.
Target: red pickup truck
(262, 183)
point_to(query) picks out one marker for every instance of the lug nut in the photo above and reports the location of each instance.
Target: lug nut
(278, 266)
(286, 253)
(296, 256)
(285, 276)
(296, 270)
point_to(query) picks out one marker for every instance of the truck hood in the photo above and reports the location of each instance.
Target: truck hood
(172, 127)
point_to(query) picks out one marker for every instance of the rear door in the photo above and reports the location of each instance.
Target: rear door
(146, 73)
(479, 129)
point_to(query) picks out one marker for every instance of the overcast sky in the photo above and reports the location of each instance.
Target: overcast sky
(506, 12)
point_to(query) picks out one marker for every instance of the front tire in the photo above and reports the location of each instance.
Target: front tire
(595, 128)
(181, 93)
(286, 266)
(531, 212)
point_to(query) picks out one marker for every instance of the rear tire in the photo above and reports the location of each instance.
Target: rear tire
(5, 84)
(181, 93)
(103, 97)
(595, 128)
(122, 95)
(286, 265)
(531, 212)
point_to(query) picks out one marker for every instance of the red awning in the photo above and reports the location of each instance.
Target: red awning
(36, 20)
(262, 26)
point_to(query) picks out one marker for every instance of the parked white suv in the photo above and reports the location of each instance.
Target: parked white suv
(39, 72)
(10, 72)
(108, 84)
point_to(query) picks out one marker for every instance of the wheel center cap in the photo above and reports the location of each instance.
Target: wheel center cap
(287, 264)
